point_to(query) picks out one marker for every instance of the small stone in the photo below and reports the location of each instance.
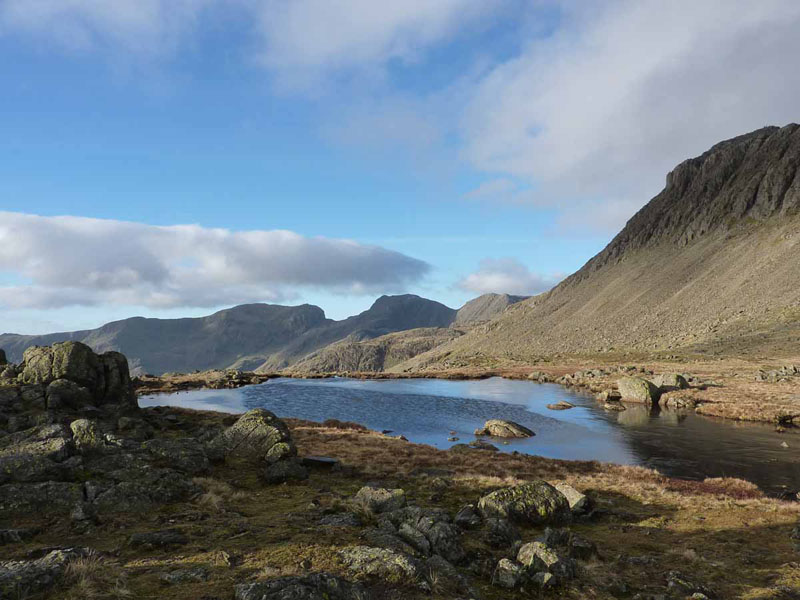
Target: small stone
(503, 428)
(507, 574)
(578, 502)
(562, 405)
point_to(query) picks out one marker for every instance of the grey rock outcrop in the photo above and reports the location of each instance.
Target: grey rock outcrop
(258, 436)
(534, 503)
(504, 429)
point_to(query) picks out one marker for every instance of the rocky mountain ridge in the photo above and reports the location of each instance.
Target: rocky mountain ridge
(270, 337)
(709, 265)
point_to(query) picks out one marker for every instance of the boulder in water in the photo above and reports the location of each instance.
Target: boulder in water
(637, 389)
(505, 429)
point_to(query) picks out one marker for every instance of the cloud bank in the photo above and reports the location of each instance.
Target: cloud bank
(506, 276)
(64, 261)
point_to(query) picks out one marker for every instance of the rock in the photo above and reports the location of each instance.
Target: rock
(386, 565)
(468, 517)
(446, 577)
(562, 405)
(430, 532)
(16, 536)
(636, 389)
(678, 585)
(535, 503)
(538, 557)
(66, 394)
(20, 578)
(507, 574)
(481, 445)
(317, 586)
(613, 407)
(380, 500)
(184, 454)
(48, 441)
(105, 376)
(87, 435)
(26, 468)
(581, 548)
(139, 488)
(578, 503)
(543, 580)
(504, 429)
(53, 496)
(285, 470)
(178, 576)
(670, 382)
(501, 533)
(258, 436)
(158, 539)
(136, 429)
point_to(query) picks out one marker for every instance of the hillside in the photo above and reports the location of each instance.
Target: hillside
(485, 307)
(710, 265)
(246, 336)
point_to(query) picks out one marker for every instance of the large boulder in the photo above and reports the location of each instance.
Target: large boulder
(535, 503)
(105, 376)
(379, 500)
(637, 389)
(504, 429)
(258, 436)
(668, 382)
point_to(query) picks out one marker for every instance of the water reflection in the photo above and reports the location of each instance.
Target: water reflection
(677, 443)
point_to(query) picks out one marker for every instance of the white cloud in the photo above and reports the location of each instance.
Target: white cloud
(65, 261)
(625, 90)
(506, 276)
(311, 40)
(143, 27)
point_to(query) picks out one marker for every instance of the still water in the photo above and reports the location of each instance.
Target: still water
(680, 444)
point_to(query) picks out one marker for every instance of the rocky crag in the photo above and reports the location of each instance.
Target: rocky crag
(708, 266)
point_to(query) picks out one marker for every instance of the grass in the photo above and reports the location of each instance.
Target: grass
(722, 532)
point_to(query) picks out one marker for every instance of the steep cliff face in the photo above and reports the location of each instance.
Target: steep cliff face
(710, 264)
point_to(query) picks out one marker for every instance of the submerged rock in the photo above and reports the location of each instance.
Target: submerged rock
(504, 429)
(534, 503)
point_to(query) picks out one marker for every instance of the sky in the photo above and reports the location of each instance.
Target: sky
(170, 158)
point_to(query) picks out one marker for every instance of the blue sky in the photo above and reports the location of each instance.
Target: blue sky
(463, 146)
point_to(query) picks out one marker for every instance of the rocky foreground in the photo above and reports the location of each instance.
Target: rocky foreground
(102, 499)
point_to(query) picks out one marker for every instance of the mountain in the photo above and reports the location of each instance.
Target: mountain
(248, 336)
(485, 307)
(710, 265)
(387, 315)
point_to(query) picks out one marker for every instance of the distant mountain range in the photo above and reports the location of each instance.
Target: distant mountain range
(710, 266)
(266, 337)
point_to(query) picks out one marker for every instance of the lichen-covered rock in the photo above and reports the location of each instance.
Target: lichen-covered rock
(139, 489)
(51, 441)
(19, 578)
(507, 574)
(317, 586)
(670, 381)
(86, 435)
(637, 389)
(500, 533)
(430, 531)
(385, 565)
(578, 502)
(258, 436)
(27, 468)
(538, 557)
(63, 393)
(380, 500)
(505, 429)
(179, 576)
(106, 376)
(536, 503)
(184, 454)
(468, 517)
(53, 496)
